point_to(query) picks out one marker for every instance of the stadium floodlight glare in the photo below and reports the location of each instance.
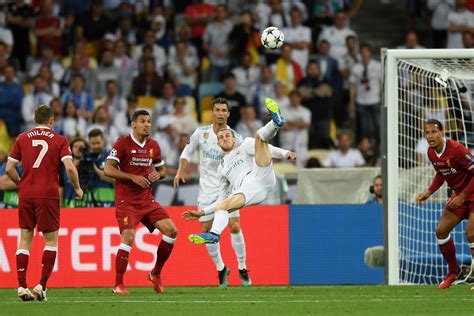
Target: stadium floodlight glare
(420, 84)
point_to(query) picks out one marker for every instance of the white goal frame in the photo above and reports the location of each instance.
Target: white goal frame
(389, 130)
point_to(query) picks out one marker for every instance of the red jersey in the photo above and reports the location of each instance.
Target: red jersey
(135, 158)
(455, 165)
(40, 151)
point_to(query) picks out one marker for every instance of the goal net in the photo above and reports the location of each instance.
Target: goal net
(421, 85)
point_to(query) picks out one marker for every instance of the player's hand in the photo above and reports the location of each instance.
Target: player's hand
(290, 156)
(141, 181)
(190, 215)
(154, 176)
(422, 197)
(456, 202)
(79, 193)
(179, 177)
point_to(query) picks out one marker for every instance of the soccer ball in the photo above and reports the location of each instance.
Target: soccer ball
(272, 37)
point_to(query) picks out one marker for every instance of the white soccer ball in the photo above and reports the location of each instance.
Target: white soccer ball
(272, 37)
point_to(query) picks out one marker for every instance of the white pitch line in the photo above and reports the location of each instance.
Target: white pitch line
(241, 301)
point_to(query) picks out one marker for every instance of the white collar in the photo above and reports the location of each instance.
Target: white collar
(137, 142)
(42, 126)
(442, 150)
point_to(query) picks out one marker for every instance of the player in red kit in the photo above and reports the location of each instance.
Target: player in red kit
(135, 162)
(454, 164)
(40, 152)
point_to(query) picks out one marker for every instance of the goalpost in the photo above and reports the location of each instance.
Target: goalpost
(418, 85)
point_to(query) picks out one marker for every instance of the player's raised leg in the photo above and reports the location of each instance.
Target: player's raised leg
(22, 258)
(121, 260)
(169, 231)
(446, 245)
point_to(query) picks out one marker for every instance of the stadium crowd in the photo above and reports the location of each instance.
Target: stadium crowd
(95, 62)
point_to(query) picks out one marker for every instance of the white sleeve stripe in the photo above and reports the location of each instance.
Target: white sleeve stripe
(114, 158)
(161, 163)
(472, 166)
(13, 159)
(66, 157)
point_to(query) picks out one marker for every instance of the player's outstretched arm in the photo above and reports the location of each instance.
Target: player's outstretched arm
(111, 170)
(10, 170)
(72, 174)
(180, 175)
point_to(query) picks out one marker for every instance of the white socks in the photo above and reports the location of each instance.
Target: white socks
(238, 243)
(221, 220)
(215, 253)
(268, 131)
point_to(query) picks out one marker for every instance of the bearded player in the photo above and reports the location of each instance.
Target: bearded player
(454, 164)
(135, 162)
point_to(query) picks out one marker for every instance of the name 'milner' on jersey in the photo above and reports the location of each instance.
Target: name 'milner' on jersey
(210, 155)
(135, 158)
(40, 151)
(455, 164)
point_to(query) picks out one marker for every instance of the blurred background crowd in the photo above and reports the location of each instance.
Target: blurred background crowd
(97, 61)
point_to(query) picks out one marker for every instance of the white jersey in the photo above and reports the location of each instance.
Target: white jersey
(204, 139)
(239, 163)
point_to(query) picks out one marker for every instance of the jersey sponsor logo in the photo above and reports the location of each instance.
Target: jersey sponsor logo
(113, 152)
(140, 162)
(133, 151)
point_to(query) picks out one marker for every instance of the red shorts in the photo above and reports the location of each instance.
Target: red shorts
(43, 213)
(466, 209)
(128, 215)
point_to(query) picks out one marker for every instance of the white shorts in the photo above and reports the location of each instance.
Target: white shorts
(206, 202)
(257, 184)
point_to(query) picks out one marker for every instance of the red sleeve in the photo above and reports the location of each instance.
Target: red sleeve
(157, 160)
(15, 153)
(65, 151)
(117, 152)
(437, 182)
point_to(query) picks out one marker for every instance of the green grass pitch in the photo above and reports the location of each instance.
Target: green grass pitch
(259, 300)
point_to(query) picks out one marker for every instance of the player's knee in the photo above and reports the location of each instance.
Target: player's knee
(470, 235)
(234, 227)
(172, 232)
(127, 237)
(441, 232)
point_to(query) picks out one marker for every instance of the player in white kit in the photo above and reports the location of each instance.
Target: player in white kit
(246, 174)
(204, 139)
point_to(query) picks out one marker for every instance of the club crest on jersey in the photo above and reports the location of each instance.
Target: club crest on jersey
(125, 220)
(206, 135)
(151, 152)
(448, 163)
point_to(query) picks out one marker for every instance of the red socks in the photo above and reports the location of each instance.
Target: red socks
(163, 253)
(49, 257)
(121, 263)
(22, 257)
(449, 253)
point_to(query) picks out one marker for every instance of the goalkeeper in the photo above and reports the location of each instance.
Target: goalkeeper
(454, 164)
(247, 169)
